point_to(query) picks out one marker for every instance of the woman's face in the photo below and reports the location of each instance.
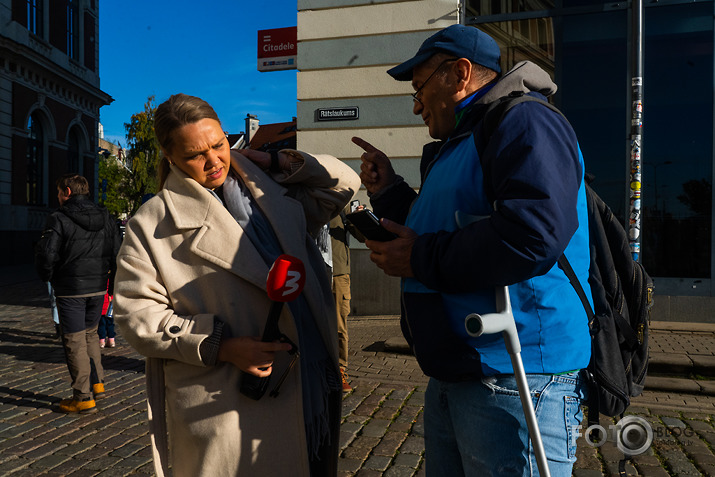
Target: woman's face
(201, 150)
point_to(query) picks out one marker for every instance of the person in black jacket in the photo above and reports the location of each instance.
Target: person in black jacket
(77, 255)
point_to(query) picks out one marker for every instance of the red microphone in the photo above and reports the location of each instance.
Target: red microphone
(285, 282)
(286, 279)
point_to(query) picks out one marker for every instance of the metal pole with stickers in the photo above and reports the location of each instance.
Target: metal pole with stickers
(635, 230)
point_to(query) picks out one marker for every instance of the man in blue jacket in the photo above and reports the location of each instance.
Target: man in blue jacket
(526, 184)
(77, 255)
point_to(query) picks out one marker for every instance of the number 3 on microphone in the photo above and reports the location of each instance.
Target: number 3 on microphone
(292, 282)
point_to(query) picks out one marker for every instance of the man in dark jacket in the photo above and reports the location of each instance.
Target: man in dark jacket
(491, 211)
(76, 254)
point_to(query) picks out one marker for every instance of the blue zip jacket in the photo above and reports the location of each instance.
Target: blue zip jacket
(533, 170)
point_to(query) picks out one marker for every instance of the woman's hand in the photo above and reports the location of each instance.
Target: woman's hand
(250, 354)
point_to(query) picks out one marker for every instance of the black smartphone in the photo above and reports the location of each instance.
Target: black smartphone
(369, 226)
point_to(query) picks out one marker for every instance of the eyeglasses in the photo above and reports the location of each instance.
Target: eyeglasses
(414, 95)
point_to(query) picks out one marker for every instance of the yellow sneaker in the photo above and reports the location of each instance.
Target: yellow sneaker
(98, 390)
(83, 407)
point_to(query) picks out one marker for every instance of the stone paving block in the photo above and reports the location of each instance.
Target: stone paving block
(116, 442)
(49, 462)
(377, 462)
(418, 428)
(400, 394)
(365, 409)
(703, 462)
(147, 469)
(348, 431)
(26, 472)
(586, 456)
(707, 469)
(390, 443)
(376, 428)
(349, 465)
(648, 460)
(413, 445)
(707, 387)
(612, 468)
(368, 473)
(653, 472)
(83, 473)
(588, 473)
(360, 448)
(356, 418)
(103, 463)
(417, 399)
(673, 422)
(69, 466)
(701, 425)
(126, 450)
(679, 463)
(136, 462)
(13, 464)
(397, 426)
(399, 471)
(23, 447)
(92, 453)
(48, 448)
(407, 460)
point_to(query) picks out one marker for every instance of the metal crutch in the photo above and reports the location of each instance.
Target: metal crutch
(503, 321)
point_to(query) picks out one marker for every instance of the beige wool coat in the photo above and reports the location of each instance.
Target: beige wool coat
(184, 261)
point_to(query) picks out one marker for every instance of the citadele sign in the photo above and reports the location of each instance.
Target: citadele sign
(277, 49)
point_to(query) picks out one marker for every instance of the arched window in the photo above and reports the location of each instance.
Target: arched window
(74, 153)
(35, 148)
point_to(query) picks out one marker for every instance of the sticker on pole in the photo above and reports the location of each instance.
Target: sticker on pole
(286, 279)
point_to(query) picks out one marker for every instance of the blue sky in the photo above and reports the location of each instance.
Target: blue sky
(206, 49)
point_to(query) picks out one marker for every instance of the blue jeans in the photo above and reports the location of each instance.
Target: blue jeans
(106, 327)
(478, 428)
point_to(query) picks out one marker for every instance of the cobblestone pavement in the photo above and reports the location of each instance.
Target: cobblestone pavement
(381, 433)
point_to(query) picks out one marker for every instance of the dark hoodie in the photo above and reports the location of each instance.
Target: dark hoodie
(78, 249)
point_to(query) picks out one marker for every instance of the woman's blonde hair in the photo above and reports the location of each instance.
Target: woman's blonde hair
(177, 111)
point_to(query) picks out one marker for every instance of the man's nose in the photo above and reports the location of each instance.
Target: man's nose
(416, 107)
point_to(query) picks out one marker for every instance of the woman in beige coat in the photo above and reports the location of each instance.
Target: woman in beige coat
(191, 296)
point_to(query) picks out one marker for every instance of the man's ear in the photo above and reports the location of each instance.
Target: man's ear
(463, 70)
(67, 192)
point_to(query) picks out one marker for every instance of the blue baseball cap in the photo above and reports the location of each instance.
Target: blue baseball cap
(459, 40)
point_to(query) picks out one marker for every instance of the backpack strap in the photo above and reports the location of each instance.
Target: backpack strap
(493, 116)
(571, 275)
(497, 109)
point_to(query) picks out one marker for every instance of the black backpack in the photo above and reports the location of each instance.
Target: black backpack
(622, 293)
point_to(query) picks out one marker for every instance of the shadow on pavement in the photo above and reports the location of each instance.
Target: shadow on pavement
(18, 397)
(376, 347)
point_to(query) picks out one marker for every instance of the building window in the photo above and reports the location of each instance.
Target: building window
(35, 148)
(35, 17)
(74, 161)
(586, 51)
(73, 29)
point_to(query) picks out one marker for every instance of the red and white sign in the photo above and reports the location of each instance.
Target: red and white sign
(277, 49)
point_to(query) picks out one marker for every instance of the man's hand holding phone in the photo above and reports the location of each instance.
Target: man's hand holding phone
(391, 245)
